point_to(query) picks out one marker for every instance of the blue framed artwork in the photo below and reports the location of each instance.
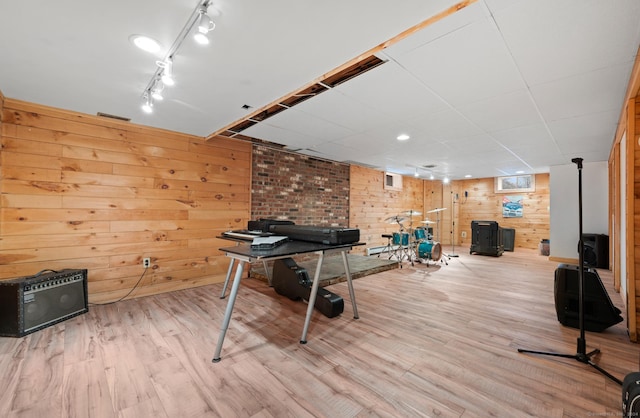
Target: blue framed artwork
(512, 206)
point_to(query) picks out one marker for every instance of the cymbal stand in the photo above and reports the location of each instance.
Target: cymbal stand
(409, 251)
(444, 257)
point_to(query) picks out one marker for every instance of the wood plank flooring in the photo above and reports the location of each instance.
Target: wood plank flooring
(437, 341)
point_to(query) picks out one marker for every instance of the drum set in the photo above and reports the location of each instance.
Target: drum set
(414, 244)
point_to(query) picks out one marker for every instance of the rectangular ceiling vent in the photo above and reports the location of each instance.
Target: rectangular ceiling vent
(107, 115)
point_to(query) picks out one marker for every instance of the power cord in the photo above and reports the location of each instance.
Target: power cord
(125, 296)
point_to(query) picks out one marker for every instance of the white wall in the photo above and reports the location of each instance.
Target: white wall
(563, 185)
(623, 220)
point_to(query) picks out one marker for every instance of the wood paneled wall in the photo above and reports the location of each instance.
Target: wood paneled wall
(81, 191)
(371, 204)
(482, 203)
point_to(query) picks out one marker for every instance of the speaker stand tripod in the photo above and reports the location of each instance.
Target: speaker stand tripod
(581, 354)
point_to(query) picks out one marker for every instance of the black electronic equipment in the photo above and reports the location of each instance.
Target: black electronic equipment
(596, 250)
(599, 312)
(28, 304)
(486, 238)
(264, 225)
(319, 234)
(292, 281)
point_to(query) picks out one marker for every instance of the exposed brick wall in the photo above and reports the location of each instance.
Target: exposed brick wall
(299, 188)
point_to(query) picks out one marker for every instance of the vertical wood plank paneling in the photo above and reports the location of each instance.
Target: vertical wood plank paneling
(86, 192)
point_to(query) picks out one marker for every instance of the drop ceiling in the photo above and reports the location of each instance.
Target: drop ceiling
(495, 88)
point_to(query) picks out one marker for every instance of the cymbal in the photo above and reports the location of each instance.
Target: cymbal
(395, 219)
(411, 213)
(427, 222)
(436, 210)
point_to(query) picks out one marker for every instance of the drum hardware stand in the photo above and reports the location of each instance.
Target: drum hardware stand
(581, 355)
(388, 249)
(409, 251)
(443, 257)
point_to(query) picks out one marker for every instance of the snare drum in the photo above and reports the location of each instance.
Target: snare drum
(401, 238)
(429, 250)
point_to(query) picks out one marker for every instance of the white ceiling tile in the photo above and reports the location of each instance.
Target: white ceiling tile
(474, 56)
(502, 112)
(342, 110)
(389, 89)
(583, 94)
(553, 39)
(445, 125)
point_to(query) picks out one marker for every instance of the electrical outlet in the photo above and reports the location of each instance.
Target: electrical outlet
(464, 234)
(146, 262)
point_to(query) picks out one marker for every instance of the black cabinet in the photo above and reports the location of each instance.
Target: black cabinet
(486, 238)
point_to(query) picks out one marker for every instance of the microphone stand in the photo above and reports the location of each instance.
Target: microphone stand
(581, 354)
(454, 200)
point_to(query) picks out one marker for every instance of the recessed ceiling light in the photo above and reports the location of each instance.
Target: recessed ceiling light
(145, 43)
(519, 172)
(402, 137)
(468, 176)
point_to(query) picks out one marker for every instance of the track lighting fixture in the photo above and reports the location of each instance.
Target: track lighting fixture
(156, 91)
(205, 25)
(167, 72)
(147, 104)
(163, 76)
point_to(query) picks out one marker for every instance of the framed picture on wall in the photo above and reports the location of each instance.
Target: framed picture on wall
(518, 184)
(512, 206)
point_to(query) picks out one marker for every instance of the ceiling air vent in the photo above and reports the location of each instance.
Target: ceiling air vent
(107, 115)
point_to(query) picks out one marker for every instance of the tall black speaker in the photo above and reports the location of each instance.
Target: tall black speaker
(28, 304)
(599, 311)
(596, 250)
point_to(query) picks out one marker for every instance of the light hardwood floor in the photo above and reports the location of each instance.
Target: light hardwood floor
(437, 341)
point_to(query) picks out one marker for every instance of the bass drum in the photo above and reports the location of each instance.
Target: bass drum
(430, 250)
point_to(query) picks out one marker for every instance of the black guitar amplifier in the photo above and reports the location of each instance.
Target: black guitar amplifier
(28, 304)
(292, 281)
(319, 234)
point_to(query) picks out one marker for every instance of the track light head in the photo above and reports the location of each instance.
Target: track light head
(205, 25)
(167, 72)
(156, 90)
(147, 104)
